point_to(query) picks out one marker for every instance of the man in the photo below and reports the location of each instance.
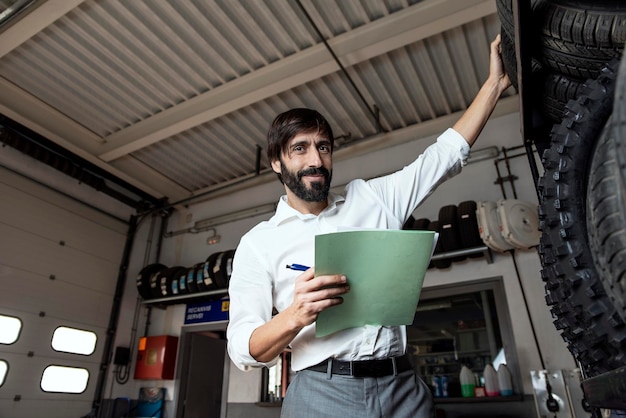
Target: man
(358, 372)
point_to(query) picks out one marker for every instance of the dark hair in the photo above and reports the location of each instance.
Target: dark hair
(292, 122)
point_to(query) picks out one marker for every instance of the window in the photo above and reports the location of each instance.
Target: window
(64, 379)
(4, 369)
(72, 340)
(10, 328)
(276, 379)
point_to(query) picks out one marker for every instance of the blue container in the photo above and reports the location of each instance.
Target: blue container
(436, 384)
(444, 386)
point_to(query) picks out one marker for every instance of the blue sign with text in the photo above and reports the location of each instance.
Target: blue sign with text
(211, 311)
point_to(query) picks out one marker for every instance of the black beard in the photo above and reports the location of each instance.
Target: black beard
(318, 192)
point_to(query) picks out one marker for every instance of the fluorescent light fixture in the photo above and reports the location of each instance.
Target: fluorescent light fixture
(13, 9)
(235, 216)
(483, 154)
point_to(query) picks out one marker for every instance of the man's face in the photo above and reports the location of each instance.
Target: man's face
(306, 167)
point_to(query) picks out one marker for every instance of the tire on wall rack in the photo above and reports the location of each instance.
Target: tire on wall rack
(583, 312)
(570, 40)
(606, 205)
(579, 36)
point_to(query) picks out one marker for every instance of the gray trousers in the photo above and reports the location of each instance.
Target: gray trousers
(315, 395)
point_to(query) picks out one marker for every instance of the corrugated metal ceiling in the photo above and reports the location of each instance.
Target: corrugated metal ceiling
(176, 96)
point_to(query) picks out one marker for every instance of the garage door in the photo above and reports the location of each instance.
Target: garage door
(59, 262)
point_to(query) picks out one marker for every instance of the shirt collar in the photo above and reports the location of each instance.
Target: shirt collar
(284, 212)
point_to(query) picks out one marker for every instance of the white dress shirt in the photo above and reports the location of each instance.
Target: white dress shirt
(260, 280)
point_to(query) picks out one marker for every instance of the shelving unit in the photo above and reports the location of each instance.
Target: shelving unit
(452, 332)
(186, 298)
(216, 294)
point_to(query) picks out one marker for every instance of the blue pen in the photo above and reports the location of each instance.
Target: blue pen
(298, 267)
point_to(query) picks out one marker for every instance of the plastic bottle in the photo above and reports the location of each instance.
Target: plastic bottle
(504, 380)
(436, 383)
(444, 386)
(467, 382)
(491, 381)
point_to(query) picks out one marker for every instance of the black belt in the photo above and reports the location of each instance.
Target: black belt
(364, 368)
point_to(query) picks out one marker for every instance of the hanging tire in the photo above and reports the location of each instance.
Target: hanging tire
(579, 36)
(583, 313)
(606, 205)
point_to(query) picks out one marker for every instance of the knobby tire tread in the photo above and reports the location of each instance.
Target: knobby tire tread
(580, 307)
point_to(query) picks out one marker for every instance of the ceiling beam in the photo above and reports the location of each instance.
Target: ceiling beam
(418, 22)
(34, 22)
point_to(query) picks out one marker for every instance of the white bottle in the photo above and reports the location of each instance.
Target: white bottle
(467, 382)
(491, 381)
(504, 380)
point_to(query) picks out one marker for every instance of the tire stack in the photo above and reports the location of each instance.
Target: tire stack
(577, 47)
(570, 40)
(158, 281)
(457, 227)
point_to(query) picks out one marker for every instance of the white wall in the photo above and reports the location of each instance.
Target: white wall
(476, 182)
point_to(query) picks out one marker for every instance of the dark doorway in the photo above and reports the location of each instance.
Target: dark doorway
(202, 371)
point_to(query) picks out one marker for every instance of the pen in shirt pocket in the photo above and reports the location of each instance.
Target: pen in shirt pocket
(299, 267)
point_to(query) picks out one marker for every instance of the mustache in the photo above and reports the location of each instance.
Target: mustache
(314, 171)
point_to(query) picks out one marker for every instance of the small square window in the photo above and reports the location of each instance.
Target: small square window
(10, 328)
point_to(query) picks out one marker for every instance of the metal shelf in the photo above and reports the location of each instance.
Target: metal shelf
(486, 251)
(188, 297)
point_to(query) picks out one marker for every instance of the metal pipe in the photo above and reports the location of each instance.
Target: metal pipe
(114, 317)
(372, 112)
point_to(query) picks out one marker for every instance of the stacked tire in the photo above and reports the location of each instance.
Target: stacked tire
(158, 281)
(457, 227)
(577, 50)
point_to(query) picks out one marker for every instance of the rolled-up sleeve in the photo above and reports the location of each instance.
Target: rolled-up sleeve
(250, 292)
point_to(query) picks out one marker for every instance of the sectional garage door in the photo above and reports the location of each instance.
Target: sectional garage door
(59, 262)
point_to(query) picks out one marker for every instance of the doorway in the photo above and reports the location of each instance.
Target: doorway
(202, 373)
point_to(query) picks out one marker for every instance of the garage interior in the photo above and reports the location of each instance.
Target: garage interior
(154, 114)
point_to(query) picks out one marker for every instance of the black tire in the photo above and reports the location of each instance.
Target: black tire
(192, 277)
(208, 273)
(442, 263)
(507, 34)
(408, 224)
(558, 91)
(179, 282)
(449, 231)
(606, 205)
(223, 268)
(164, 280)
(421, 224)
(468, 226)
(579, 36)
(582, 311)
(146, 280)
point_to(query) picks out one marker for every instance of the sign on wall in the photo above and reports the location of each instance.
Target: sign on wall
(210, 311)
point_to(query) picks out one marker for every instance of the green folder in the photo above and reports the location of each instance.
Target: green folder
(385, 271)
